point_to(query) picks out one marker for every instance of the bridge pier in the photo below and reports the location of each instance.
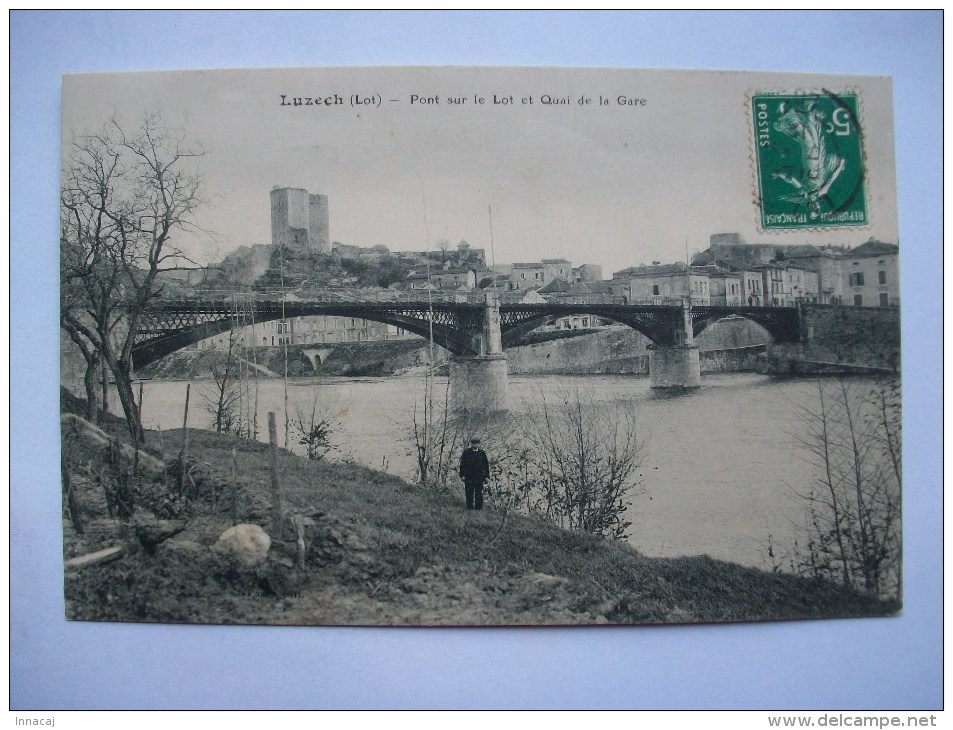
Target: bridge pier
(479, 382)
(678, 365)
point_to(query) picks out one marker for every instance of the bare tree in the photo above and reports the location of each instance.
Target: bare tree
(444, 245)
(225, 402)
(124, 195)
(573, 462)
(315, 424)
(92, 372)
(584, 457)
(852, 526)
(436, 433)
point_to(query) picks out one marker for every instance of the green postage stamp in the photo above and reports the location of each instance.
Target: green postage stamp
(809, 160)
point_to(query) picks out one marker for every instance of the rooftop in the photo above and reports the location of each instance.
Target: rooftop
(872, 247)
(653, 270)
(556, 285)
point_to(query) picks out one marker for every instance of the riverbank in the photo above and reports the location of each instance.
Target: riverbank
(379, 550)
(728, 346)
(345, 359)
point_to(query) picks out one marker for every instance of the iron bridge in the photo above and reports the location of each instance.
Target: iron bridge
(455, 321)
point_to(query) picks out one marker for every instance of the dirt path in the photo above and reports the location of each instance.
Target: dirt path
(260, 368)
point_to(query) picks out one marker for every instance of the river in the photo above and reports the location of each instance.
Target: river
(720, 464)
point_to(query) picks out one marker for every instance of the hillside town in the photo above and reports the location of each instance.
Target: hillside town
(729, 272)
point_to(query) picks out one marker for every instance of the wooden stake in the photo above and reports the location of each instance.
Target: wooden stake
(275, 480)
(185, 438)
(299, 525)
(165, 466)
(72, 503)
(234, 486)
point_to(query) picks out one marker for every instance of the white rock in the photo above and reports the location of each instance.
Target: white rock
(246, 544)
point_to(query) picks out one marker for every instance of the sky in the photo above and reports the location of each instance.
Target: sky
(648, 175)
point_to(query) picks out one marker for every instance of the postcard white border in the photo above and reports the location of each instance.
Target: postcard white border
(881, 663)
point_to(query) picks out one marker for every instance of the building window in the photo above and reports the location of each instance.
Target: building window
(884, 299)
(858, 300)
(655, 290)
(857, 278)
(881, 277)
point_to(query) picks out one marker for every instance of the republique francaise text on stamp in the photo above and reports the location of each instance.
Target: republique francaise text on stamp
(809, 160)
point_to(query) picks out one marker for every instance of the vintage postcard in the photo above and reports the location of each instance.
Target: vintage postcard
(479, 346)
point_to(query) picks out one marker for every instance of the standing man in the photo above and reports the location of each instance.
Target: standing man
(474, 471)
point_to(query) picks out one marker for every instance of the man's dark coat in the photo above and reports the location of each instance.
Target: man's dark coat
(474, 466)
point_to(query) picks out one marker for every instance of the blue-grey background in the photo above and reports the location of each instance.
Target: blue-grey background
(893, 663)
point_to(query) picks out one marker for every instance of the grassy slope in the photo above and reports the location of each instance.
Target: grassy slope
(383, 551)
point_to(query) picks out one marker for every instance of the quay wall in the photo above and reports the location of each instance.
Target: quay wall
(853, 336)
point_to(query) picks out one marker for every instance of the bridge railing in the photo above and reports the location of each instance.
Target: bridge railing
(369, 295)
(334, 296)
(613, 300)
(404, 296)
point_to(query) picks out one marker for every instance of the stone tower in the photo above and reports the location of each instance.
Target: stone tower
(299, 220)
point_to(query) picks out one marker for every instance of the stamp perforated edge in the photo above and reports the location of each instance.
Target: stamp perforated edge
(753, 159)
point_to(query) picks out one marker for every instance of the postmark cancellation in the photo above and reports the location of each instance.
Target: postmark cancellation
(809, 164)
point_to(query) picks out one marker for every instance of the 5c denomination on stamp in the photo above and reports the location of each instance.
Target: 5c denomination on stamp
(809, 160)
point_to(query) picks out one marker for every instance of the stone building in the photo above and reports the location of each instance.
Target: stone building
(752, 293)
(725, 287)
(300, 220)
(872, 275)
(659, 282)
(866, 275)
(784, 285)
(827, 264)
(526, 275)
(307, 330)
(449, 278)
(535, 275)
(585, 273)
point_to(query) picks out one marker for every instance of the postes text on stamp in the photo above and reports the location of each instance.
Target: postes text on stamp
(809, 160)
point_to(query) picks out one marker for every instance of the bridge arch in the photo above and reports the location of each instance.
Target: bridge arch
(458, 325)
(444, 332)
(781, 324)
(317, 353)
(659, 323)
